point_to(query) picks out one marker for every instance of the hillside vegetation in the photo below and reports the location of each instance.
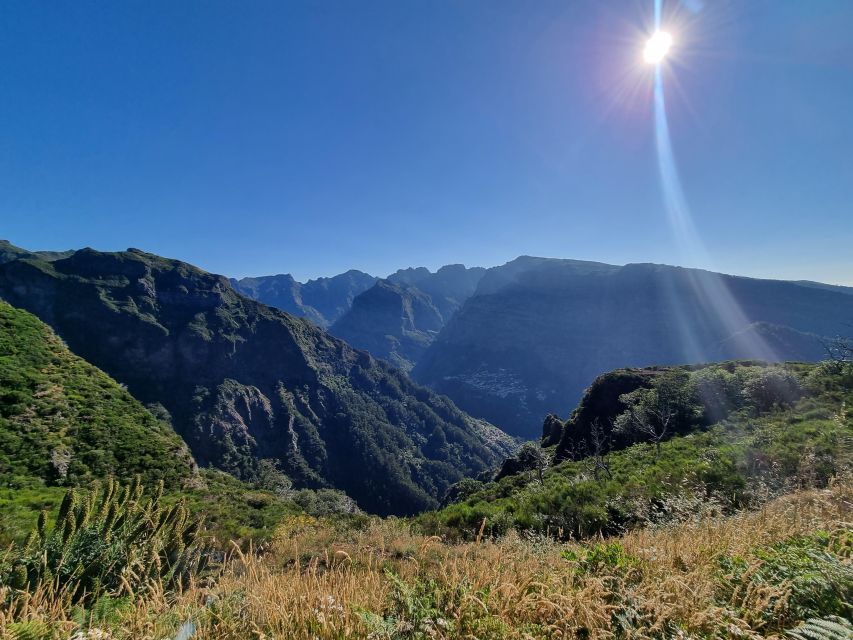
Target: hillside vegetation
(735, 433)
(737, 526)
(65, 422)
(755, 574)
(243, 383)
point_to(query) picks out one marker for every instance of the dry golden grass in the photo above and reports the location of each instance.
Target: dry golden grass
(314, 582)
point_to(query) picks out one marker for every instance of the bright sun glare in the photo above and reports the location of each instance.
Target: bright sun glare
(657, 47)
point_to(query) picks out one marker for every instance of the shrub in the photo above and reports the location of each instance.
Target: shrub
(829, 628)
(605, 559)
(772, 387)
(718, 391)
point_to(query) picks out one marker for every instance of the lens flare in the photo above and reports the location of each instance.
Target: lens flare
(657, 47)
(712, 298)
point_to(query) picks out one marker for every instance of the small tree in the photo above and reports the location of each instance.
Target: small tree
(657, 412)
(271, 478)
(772, 387)
(531, 458)
(598, 449)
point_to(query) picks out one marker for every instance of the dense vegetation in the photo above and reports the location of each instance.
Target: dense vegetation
(242, 382)
(735, 433)
(64, 422)
(736, 525)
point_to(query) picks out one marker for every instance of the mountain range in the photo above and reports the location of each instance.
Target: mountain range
(394, 318)
(538, 331)
(242, 382)
(399, 317)
(322, 300)
(514, 343)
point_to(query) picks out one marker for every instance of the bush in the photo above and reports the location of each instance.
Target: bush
(772, 387)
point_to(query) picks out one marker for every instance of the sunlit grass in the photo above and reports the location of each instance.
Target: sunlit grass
(314, 580)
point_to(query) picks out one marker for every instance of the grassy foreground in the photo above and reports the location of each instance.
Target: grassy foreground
(754, 574)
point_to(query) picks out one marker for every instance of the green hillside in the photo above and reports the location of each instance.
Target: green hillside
(737, 433)
(65, 422)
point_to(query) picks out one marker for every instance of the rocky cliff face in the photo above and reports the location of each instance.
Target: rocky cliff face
(538, 331)
(243, 381)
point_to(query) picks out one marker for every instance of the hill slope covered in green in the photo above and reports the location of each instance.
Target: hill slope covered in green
(650, 445)
(65, 422)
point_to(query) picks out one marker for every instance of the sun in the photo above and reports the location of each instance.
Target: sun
(657, 47)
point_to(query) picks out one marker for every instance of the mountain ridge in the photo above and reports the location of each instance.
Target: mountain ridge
(321, 300)
(400, 316)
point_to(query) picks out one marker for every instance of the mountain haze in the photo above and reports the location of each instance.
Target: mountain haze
(538, 331)
(322, 300)
(448, 288)
(399, 317)
(395, 322)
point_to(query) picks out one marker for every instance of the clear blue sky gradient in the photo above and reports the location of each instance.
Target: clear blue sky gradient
(311, 137)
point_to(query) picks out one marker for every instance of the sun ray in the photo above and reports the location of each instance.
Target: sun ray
(712, 292)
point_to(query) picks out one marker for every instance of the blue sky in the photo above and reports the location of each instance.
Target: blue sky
(312, 137)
